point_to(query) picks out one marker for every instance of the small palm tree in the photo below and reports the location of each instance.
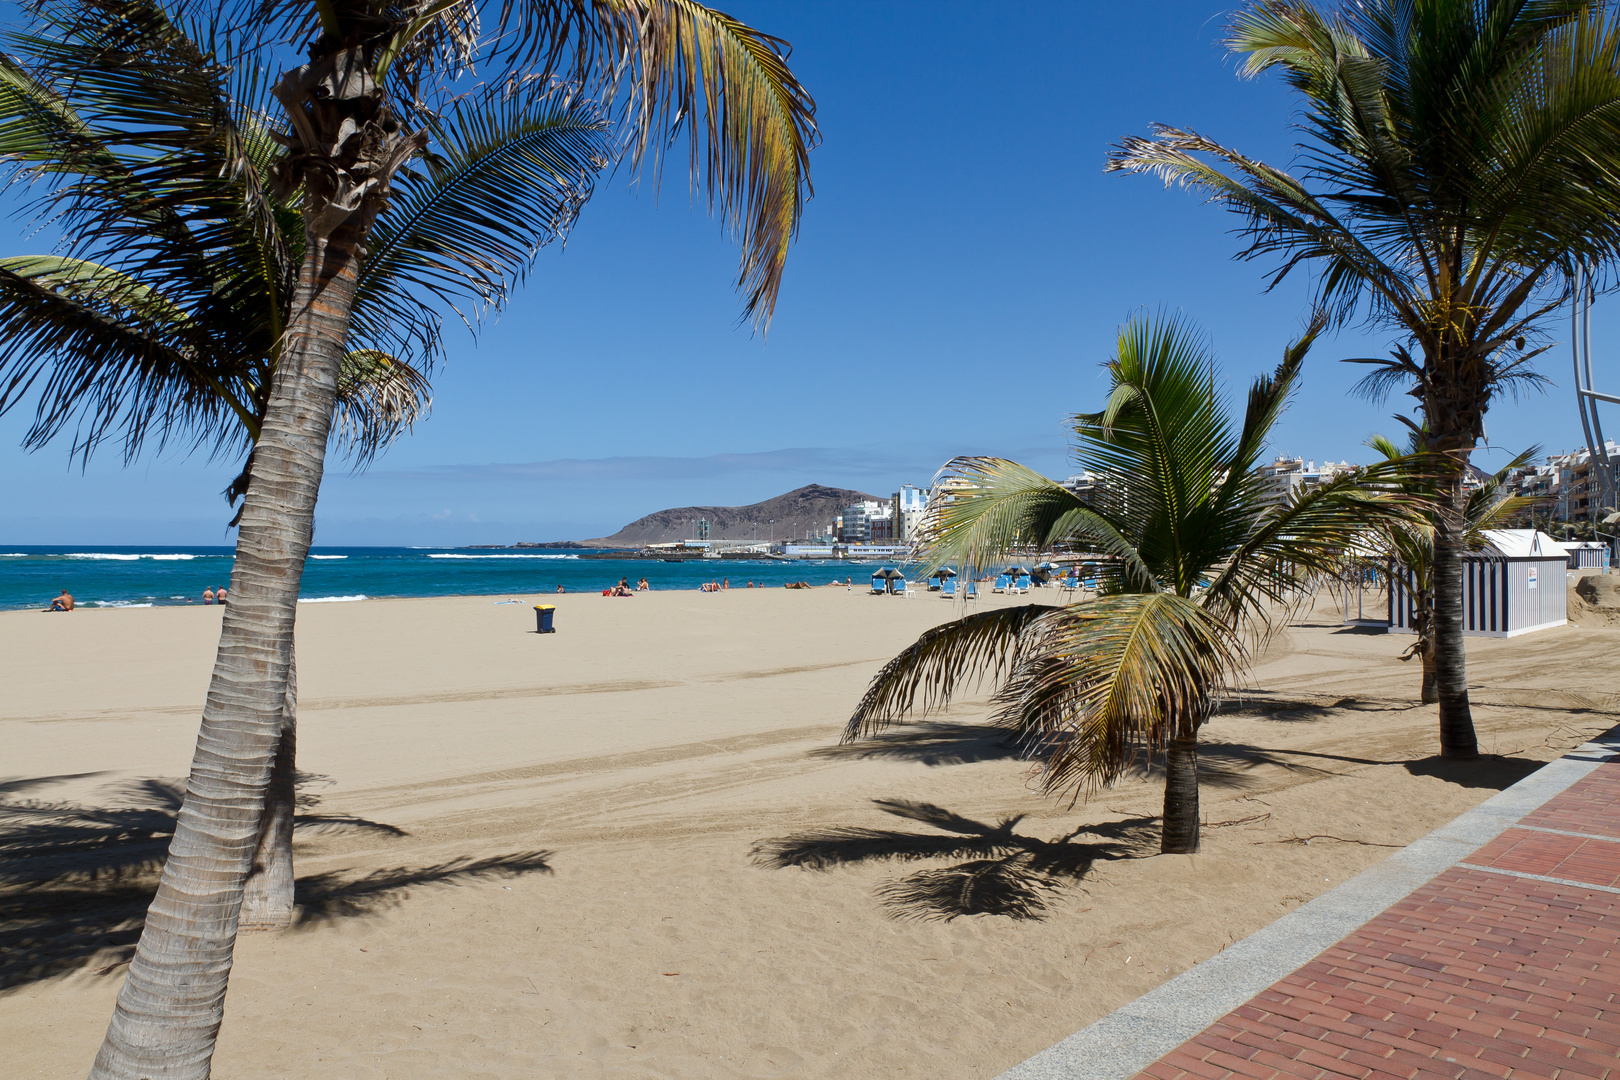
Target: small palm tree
(1410, 545)
(1460, 164)
(165, 326)
(1197, 553)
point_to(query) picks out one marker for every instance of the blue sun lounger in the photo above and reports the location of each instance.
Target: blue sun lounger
(947, 588)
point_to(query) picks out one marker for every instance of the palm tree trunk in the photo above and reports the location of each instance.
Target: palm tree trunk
(1180, 796)
(1423, 625)
(172, 1002)
(267, 897)
(1450, 661)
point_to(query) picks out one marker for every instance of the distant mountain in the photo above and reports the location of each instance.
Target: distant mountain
(809, 508)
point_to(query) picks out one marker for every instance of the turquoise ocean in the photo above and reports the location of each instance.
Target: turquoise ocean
(159, 576)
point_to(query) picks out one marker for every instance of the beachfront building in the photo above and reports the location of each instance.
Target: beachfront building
(867, 521)
(1565, 485)
(1514, 585)
(908, 505)
(1290, 477)
(1087, 486)
(1541, 482)
(1583, 497)
(806, 550)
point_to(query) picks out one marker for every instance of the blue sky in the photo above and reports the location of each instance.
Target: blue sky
(960, 276)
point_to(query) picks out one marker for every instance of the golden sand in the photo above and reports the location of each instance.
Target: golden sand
(557, 856)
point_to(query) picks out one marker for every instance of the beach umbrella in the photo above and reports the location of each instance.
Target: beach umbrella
(888, 573)
(943, 572)
(1016, 571)
(1047, 566)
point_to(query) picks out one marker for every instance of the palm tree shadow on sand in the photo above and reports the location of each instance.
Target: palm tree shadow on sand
(936, 743)
(75, 881)
(1004, 873)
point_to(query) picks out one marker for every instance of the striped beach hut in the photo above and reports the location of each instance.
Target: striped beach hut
(1514, 586)
(1587, 554)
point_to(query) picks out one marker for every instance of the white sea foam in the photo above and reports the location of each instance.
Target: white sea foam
(118, 603)
(13, 554)
(503, 556)
(329, 556)
(120, 557)
(331, 599)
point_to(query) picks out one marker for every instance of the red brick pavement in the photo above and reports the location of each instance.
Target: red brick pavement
(1478, 975)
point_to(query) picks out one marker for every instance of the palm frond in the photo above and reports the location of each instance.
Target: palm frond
(1458, 161)
(94, 350)
(1281, 218)
(506, 172)
(379, 398)
(1163, 440)
(1309, 535)
(941, 662)
(983, 508)
(688, 70)
(1099, 682)
(672, 70)
(149, 157)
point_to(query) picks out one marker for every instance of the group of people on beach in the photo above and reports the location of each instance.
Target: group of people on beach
(725, 583)
(209, 596)
(623, 588)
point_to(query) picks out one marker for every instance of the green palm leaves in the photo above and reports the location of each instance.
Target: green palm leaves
(504, 173)
(164, 320)
(1196, 557)
(1460, 162)
(1454, 153)
(661, 68)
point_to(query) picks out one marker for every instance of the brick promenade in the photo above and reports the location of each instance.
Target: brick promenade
(1504, 966)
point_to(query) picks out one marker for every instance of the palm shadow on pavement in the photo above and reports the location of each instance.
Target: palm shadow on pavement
(75, 880)
(1004, 873)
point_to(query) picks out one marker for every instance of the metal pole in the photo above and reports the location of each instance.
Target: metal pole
(1600, 447)
(1586, 397)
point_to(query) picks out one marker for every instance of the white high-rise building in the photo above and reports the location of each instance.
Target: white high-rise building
(908, 503)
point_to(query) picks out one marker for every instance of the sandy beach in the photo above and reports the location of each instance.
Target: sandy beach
(563, 855)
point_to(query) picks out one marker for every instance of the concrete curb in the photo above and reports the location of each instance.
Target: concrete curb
(1126, 1041)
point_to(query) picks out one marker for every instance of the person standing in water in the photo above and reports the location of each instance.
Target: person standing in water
(219, 596)
(208, 595)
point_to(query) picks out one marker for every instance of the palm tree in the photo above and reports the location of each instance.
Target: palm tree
(145, 345)
(1460, 162)
(1410, 545)
(384, 82)
(1198, 557)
